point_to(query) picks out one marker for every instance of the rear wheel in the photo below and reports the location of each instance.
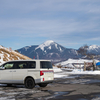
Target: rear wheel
(29, 83)
(43, 84)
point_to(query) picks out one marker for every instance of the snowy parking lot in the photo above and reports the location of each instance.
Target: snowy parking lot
(66, 86)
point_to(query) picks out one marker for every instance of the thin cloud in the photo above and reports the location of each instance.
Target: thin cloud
(94, 39)
(65, 20)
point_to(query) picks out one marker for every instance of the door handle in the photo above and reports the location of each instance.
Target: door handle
(10, 71)
(14, 71)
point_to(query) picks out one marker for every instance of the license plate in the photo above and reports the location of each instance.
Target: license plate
(49, 78)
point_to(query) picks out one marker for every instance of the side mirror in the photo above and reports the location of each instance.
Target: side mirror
(2, 68)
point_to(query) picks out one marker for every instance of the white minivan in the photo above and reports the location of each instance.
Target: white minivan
(27, 72)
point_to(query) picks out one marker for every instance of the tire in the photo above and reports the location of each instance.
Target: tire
(43, 84)
(9, 85)
(29, 83)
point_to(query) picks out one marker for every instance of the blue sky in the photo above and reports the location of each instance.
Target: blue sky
(71, 23)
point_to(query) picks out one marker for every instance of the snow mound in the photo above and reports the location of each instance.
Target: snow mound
(56, 69)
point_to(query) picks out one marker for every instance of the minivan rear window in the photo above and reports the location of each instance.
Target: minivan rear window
(32, 64)
(45, 64)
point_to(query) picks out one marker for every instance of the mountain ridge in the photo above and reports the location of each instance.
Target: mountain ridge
(56, 52)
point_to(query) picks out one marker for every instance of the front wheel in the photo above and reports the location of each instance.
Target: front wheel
(9, 85)
(29, 83)
(43, 84)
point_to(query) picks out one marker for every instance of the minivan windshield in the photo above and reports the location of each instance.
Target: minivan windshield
(45, 64)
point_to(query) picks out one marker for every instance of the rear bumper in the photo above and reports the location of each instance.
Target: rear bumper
(47, 82)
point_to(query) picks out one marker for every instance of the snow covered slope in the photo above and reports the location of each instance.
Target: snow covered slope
(45, 44)
(8, 54)
(94, 49)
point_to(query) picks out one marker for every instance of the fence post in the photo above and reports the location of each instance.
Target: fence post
(84, 66)
(94, 65)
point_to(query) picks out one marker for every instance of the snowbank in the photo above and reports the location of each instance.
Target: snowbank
(56, 69)
(70, 61)
(58, 73)
(77, 71)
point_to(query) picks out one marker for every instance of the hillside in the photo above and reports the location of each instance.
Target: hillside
(8, 54)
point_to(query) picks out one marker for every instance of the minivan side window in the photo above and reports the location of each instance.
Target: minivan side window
(32, 64)
(8, 65)
(25, 65)
(20, 65)
(45, 64)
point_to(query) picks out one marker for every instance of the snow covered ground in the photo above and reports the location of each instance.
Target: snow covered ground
(70, 61)
(58, 73)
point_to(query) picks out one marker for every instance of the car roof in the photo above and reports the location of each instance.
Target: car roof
(27, 60)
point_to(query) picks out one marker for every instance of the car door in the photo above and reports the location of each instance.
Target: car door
(20, 71)
(6, 73)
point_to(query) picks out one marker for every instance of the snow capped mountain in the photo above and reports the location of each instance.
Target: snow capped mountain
(49, 50)
(94, 49)
(49, 45)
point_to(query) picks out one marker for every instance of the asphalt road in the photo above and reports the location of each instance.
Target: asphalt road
(85, 87)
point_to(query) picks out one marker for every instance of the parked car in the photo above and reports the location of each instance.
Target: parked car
(27, 72)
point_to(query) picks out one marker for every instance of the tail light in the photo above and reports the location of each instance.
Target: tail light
(41, 73)
(46, 71)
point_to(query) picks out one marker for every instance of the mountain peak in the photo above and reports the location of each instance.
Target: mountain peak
(45, 44)
(93, 47)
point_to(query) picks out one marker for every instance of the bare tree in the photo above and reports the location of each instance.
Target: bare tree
(83, 50)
